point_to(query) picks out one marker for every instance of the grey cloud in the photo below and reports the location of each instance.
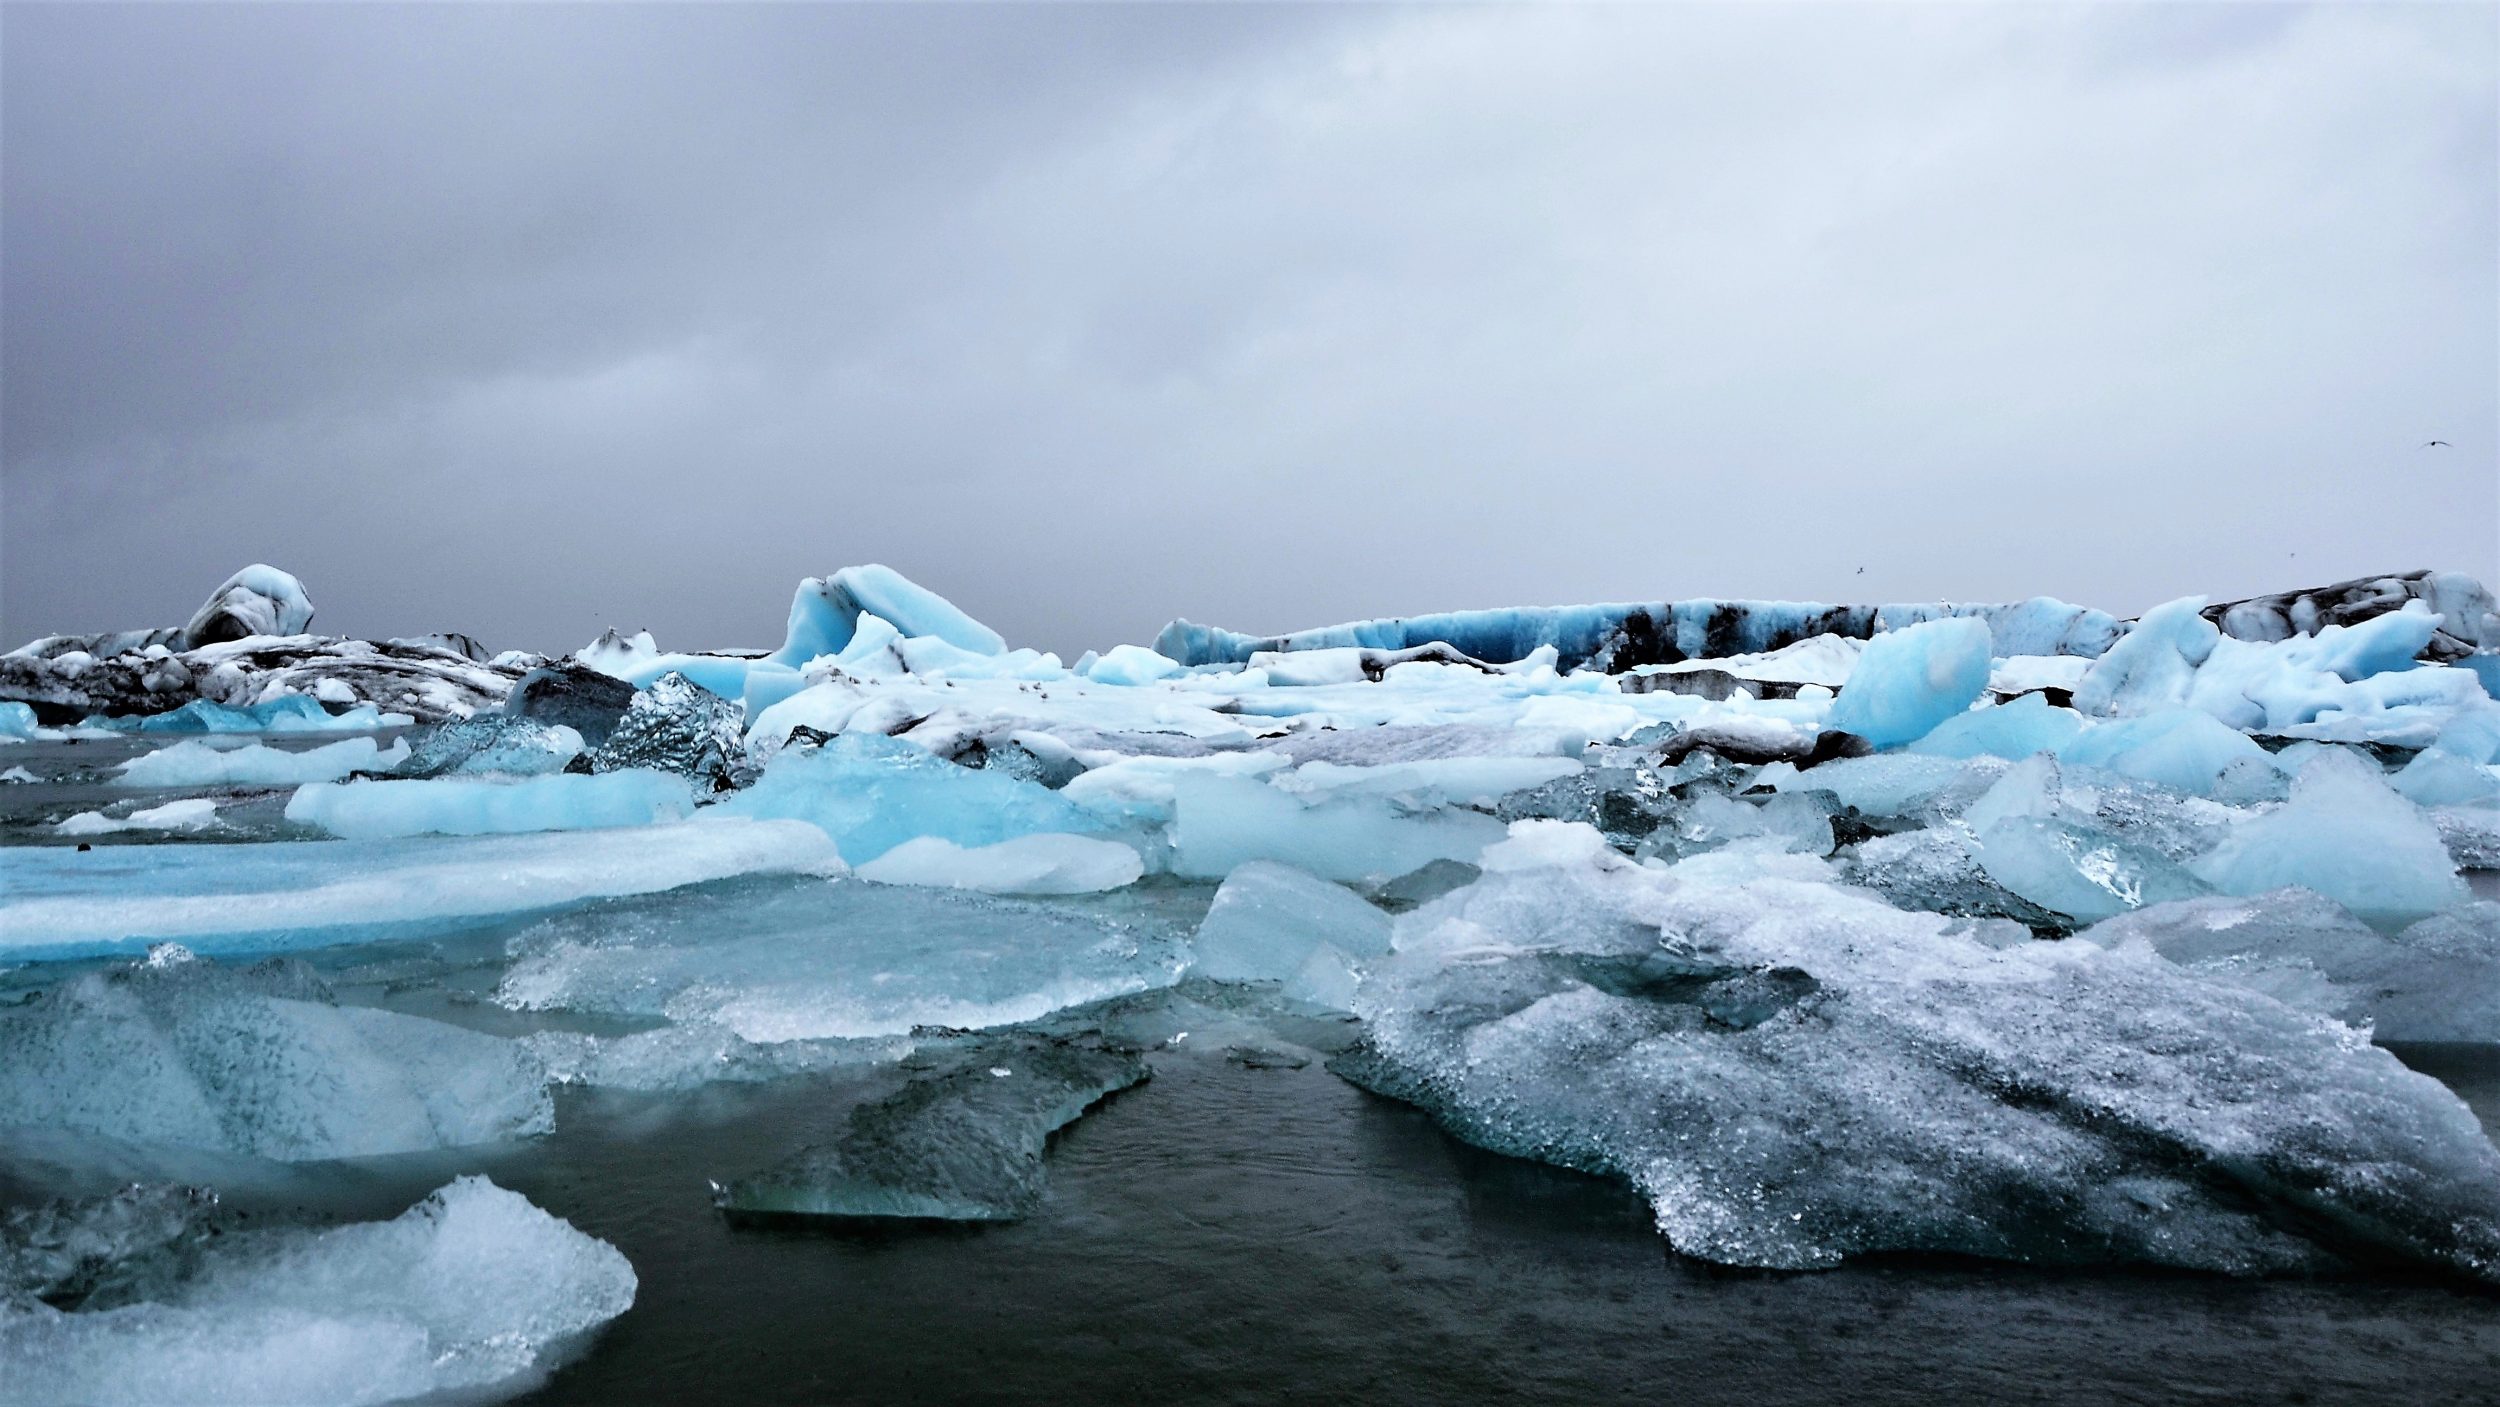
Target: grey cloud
(530, 321)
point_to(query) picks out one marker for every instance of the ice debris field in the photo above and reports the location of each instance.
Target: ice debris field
(2011, 931)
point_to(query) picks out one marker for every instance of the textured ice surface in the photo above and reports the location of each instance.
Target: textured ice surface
(379, 810)
(1794, 1073)
(193, 814)
(873, 793)
(1891, 785)
(259, 765)
(1221, 823)
(677, 725)
(826, 611)
(286, 713)
(1908, 681)
(2347, 835)
(1028, 864)
(493, 744)
(1619, 636)
(1274, 923)
(2433, 982)
(2013, 730)
(58, 902)
(466, 1293)
(698, 1053)
(2180, 748)
(2438, 777)
(810, 961)
(258, 600)
(1130, 664)
(258, 1061)
(2078, 850)
(961, 1142)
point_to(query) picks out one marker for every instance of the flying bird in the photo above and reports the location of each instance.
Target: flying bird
(1861, 571)
(2437, 444)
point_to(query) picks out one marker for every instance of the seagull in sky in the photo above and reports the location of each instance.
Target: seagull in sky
(2437, 444)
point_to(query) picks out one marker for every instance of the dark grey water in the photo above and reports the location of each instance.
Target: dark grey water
(1227, 1234)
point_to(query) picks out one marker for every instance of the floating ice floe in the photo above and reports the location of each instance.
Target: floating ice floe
(1793, 1074)
(470, 1293)
(57, 902)
(1274, 923)
(962, 1142)
(178, 1050)
(814, 961)
(380, 810)
(193, 764)
(1028, 864)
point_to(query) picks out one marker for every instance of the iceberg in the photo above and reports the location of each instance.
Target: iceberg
(962, 1143)
(2432, 982)
(1131, 665)
(1274, 923)
(676, 725)
(192, 814)
(176, 1050)
(561, 693)
(472, 1292)
(872, 793)
(2012, 730)
(826, 611)
(1029, 864)
(491, 745)
(381, 810)
(258, 600)
(287, 713)
(1616, 637)
(1221, 823)
(193, 764)
(56, 902)
(2345, 834)
(1908, 681)
(1794, 1073)
(2180, 748)
(813, 961)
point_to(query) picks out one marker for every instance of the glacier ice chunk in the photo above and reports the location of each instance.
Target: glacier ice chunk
(1130, 664)
(2429, 983)
(812, 961)
(1908, 681)
(256, 1061)
(195, 813)
(1220, 823)
(1275, 923)
(963, 1143)
(2013, 730)
(56, 902)
(826, 610)
(258, 600)
(1028, 864)
(379, 810)
(466, 1294)
(2180, 748)
(2347, 835)
(872, 793)
(1794, 1073)
(259, 765)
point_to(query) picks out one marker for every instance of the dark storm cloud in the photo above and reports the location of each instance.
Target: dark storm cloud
(532, 320)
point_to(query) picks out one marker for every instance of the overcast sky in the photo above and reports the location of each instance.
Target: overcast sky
(528, 322)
